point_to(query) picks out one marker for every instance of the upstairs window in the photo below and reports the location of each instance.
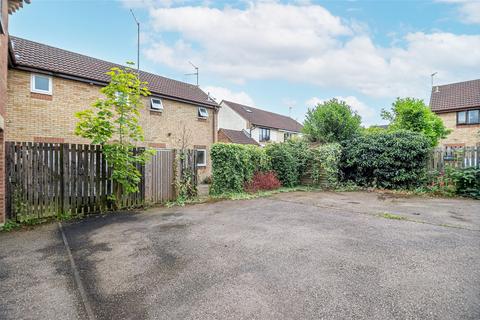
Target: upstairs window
(156, 104)
(468, 117)
(264, 134)
(41, 84)
(202, 112)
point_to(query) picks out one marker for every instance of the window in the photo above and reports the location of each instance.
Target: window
(264, 134)
(2, 31)
(201, 157)
(156, 104)
(462, 117)
(202, 112)
(287, 135)
(473, 116)
(41, 84)
(468, 117)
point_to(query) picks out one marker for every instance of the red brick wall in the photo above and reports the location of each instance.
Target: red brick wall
(3, 101)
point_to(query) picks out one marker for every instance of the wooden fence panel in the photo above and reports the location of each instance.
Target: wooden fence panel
(44, 180)
(460, 157)
(159, 177)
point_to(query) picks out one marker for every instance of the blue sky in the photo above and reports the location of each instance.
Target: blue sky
(278, 55)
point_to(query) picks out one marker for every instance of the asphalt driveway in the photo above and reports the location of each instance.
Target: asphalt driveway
(291, 256)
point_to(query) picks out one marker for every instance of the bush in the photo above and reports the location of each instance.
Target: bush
(331, 121)
(325, 163)
(284, 163)
(386, 159)
(467, 182)
(235, 164)
(263, 181)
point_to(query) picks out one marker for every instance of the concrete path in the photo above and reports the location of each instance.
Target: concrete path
(291, 256)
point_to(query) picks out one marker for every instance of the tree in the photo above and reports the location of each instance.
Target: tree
(331, 121)
(413, 115)
(113, 122)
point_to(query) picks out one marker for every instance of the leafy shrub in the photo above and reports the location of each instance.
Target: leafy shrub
(235, 164)
(386, 159)
(467, 182)
(331, 121)
(325, 162)
(263, 181)
(438, 183)
(284, 163)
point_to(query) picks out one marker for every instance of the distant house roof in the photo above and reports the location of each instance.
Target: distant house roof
(238, 136)
(32, 55)
(454, 96)
(264, 118)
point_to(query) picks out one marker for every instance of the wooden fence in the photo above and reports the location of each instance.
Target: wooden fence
(45, 179)
(459, 157)
(160, 177)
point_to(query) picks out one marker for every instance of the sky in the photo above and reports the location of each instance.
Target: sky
(281, 56)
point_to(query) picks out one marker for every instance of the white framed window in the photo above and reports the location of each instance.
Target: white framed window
(264, 134)
(201, 157)
(202, 112)
(40, 83)
(156, 104)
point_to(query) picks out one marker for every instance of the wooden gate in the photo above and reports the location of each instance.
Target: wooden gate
(160, 177)
(47, 179)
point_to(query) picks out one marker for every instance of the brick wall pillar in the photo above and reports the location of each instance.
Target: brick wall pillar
(2, 177)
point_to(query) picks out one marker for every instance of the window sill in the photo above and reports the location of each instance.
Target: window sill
(202, 119)
(468, 125)
(157, 112)
(41, 96)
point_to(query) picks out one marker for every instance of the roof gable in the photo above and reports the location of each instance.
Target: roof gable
(454, 96)
(29, 54)
(264, 118)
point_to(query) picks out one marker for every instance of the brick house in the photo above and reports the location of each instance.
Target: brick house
(458, 104)
(47, 86)
(260, 125)
(6, 7)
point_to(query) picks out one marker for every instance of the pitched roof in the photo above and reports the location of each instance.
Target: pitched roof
(29, 54)
(454, 96)
(238, 136)
(264, 118)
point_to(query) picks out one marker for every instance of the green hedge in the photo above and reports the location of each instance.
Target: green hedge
(235, 164)
(386, 159)
(288, 160)
(324, 163)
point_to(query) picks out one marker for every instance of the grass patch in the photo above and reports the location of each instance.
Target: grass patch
(392, 216)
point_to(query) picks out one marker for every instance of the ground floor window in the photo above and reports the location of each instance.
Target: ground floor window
(201, 157)
(287, 136)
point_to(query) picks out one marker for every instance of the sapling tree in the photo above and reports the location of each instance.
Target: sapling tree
(113, 122)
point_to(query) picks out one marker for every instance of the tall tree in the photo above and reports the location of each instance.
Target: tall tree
(331, 121)
(414, 115)
(113, 122)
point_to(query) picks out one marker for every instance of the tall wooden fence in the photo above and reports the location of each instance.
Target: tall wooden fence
(459, 157)
(46, 179)
(160, 177)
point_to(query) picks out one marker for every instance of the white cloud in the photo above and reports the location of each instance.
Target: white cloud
(369, 115)
(220, 93)
(307, 44)
(469, 10)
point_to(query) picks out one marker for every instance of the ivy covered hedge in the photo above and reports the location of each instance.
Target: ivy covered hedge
(233, 165)
(386, 159)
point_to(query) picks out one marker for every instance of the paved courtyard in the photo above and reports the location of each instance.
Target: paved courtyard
(316, 255)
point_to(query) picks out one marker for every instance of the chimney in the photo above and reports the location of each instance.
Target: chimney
(437, 90)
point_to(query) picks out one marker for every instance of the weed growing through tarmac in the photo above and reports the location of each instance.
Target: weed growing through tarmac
(392, 216)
